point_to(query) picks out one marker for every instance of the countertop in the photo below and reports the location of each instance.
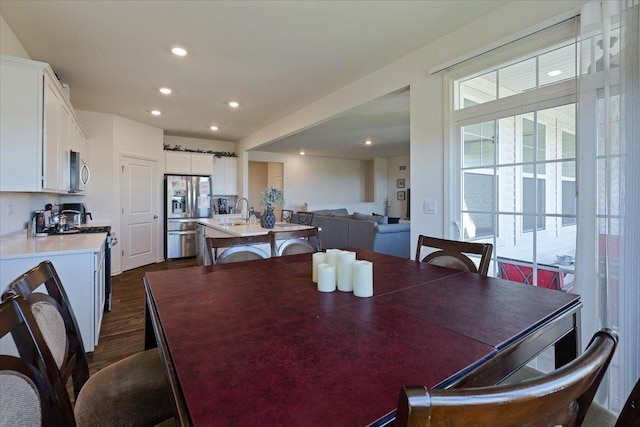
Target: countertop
(253, 229)
(17, 245)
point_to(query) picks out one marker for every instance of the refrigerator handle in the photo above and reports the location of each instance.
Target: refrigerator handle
(189, 209)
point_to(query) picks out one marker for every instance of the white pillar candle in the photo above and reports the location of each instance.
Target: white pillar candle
(363, 279)
(326, 278)
(332, 258)
(345, 271)
(317, 259)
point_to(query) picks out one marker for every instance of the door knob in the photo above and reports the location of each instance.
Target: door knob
(155, 217)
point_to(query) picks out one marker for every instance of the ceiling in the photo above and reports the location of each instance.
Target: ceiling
(273, 57)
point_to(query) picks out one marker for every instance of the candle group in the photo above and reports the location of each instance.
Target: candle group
(340, 269)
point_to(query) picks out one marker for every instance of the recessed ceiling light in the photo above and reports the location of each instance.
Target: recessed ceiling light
(178, 51)
(554, 73)
(214, 127)
(302, 153)
(156, 112)
(234, 104)
(165, 90)
(368, 142)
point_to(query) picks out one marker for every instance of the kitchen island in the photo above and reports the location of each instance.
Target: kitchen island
(234, 227)
(238, 227)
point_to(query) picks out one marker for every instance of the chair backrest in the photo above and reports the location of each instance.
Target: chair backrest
(547, 278)
(451, 254)
(237, 249)
(561, 397)
(31, 390)
(286, 215)
(304, 218)
(56, 321)
(295, 241)
(630, 414)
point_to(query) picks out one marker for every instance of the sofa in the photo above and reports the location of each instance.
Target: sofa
(339, 229)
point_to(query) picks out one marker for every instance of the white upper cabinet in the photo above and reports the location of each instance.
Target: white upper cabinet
(225, 180)
(178, 162)
(202, 164)
(51, 144)
(36, 121)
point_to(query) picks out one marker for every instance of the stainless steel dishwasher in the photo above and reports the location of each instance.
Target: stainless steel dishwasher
(181, 238)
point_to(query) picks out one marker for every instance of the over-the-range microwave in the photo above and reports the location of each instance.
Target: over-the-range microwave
(80, 174)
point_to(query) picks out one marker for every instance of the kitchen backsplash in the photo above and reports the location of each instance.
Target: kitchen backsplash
(16, 209)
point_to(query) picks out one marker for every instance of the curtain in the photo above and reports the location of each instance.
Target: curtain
(608, 255)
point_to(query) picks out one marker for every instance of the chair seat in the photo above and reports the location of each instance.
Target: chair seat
(131, 392)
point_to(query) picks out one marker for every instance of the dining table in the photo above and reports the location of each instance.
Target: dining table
(255, 343)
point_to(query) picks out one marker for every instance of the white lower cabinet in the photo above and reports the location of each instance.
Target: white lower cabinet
(83, 278)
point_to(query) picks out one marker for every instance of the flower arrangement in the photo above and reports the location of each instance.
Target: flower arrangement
(271, 196)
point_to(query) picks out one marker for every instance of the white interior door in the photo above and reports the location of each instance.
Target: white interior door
(139, 205)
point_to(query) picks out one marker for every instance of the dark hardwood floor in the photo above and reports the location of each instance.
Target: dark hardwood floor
(122, 331)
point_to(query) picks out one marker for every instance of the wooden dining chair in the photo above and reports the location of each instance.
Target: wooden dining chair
(31, 390)
(304, 218)
(295, 241)
(236, 249)
(286, 215)
(561, 397)
(630, 414)
(133, 390)
(451, 254)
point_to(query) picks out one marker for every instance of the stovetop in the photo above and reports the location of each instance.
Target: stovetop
(95, 229)
(82, 230)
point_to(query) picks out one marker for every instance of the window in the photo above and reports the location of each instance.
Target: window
(568, 172)
(514, 127)
(533, 200)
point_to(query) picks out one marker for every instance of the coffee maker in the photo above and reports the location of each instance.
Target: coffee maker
(223, 206)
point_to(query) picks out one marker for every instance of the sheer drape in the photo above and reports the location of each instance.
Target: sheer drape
(608, 255)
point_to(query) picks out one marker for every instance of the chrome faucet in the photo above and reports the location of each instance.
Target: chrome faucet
(247, 202)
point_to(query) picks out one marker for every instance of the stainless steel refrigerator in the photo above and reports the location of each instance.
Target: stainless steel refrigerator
(187, 198)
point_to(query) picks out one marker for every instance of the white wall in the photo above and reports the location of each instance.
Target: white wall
(428, 170)
(101, 190)
(9, 43)
(109, 136)
(398, 208)
(316, 179)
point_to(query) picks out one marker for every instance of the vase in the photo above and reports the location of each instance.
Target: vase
(268, 220)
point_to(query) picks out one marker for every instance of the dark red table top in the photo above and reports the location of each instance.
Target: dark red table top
(256, 344)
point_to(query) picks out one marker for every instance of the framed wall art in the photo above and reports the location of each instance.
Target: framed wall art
(400, 183)
(401, 195)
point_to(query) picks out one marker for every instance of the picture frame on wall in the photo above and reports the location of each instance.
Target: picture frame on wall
(401, 195)
(400, 184)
